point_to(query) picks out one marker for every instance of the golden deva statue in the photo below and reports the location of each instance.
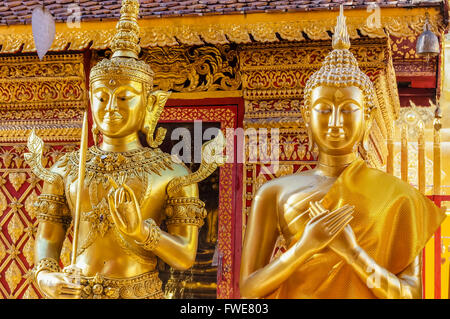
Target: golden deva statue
(350, 231)
(128, 190)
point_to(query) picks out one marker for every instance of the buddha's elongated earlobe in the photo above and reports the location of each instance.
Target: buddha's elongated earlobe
(306, 113)
(310, 139)
(368, 127)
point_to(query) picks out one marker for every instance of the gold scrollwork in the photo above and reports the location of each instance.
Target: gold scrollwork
(192, 68)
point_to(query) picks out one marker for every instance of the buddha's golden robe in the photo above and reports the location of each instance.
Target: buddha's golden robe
(392, 223)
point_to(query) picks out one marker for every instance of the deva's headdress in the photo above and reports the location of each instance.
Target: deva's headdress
(124, 62)
(340, 68)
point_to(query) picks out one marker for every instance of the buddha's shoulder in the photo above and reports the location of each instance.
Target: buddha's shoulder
(304, 181)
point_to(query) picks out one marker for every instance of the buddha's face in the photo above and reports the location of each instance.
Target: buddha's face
(118, 106)
(337, 118)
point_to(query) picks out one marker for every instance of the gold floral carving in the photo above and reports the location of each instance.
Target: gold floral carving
(3, 203)
(235, 29)
(18, 225)
(13, 276)
(57, 114)
(29, 204)
(17, 179)
(49, 94)
(15, 228)
(28, 83)
(2, 250)
(406, 60)
(193, 69)
(28, 251)
(30, 293)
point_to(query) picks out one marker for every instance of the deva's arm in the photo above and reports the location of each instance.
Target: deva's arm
(184, 213)
(54, 218)
(184, 217)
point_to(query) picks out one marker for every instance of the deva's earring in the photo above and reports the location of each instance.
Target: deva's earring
(95, 133)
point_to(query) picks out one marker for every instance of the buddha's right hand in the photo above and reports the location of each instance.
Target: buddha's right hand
(58, 285)
(323, 228)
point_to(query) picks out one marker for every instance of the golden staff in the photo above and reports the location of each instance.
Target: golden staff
(81, 174)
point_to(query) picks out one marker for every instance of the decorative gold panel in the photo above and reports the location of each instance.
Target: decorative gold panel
(19, 189)
(49, 95)
(192, 68)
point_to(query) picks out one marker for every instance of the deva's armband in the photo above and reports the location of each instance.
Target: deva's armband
(48, 264)
(185, 210)
(53, 208)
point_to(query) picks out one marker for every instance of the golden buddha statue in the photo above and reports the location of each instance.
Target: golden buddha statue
(351, 231)
(127, 193)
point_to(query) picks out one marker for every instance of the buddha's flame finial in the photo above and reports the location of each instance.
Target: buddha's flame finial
(341, 39)
(126, 40)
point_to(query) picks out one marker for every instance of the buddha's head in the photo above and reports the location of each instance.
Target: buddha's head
(338, 99)
(121, 94)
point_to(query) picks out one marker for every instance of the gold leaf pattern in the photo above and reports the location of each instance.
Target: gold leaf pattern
(2, 250)
(29, 204)
(28, 251)
(15, 228)
(3, 202)
(17, 179)
(13, 276)
(30, 293)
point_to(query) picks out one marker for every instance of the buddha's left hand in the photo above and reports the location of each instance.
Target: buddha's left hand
(345, 243)
(126, 212)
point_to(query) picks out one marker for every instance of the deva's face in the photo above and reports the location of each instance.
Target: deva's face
(118, 106)
(337, 118)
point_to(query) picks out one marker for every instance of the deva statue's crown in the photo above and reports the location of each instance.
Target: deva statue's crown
(340, 68)
(124, 62)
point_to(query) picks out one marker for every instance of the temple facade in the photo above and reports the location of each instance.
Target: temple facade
(240, 66)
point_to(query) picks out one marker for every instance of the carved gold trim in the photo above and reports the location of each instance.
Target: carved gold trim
(205, 95)
(48, 96)
(224, 29)
(186, 69)
(58, 81)
(52, 133)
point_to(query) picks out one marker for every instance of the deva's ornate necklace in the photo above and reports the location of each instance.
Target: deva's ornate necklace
(121, 167)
